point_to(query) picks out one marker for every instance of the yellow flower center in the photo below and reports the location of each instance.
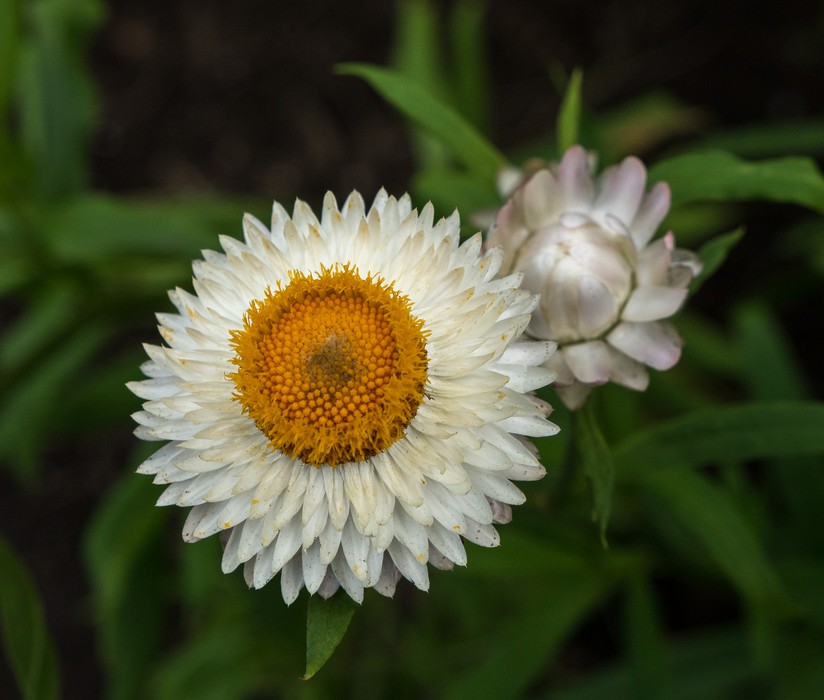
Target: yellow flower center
(331, 367)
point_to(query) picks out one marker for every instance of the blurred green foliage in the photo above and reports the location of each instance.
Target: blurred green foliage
(708, 487)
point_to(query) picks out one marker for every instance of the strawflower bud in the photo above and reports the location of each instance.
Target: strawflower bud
(583, 244)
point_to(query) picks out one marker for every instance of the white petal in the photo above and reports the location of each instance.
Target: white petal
(655, 344)
(653, 303)
(589, 362)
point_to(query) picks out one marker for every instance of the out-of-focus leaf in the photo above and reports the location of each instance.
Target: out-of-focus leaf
(725, 434)
(9, 39)
(762, 141)
(95, 228)
(768, 366)
(466, 143)
(598, 465)
(712, 516)
(716, 175)
(468, 32)
(326, 623)
(417, 55)
(635, 126)
(645, 641)
(712, 665)
(26, 641)
(708, 345)
(451, 189)
(569, 116)
(121, 547)
(29, 402)
(713, 254)
(220, 663)
(58, 102)
(522, 649)
(51, 312)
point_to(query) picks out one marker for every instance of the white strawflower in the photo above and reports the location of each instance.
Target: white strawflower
(583, 244)
(346, 398)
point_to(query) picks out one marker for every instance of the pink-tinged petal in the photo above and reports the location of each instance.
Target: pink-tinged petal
(654, 262)
(589, 362)
(686, 265)
(626, 371)
(563, 373)
(653, 303)
(575, 180)
(596, 306)
(651, 213)
(655, 344)
(620, 191)
(509, 233)
(542, 201)
(574, 395)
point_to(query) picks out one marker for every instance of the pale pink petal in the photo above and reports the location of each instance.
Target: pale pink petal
(653, 209)
(654, 262)
(575, 180)
(653, 303)
(574, 395)
(542, 201)
(563, 373)
(626, 371)
(589, 362)
(596, 306)
(655, 344)
(620, 191)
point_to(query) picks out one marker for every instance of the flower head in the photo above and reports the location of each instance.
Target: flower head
(583, 244)
(345, 398)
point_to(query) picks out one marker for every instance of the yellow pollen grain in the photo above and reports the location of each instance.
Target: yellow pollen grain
(331, 367)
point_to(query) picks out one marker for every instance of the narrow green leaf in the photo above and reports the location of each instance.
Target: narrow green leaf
(123, 554)
(9, 39)
(761, 141)
(716, 175)
(711, 515)
(527, 646)
(466, 143)
(597, 463)
(711, 665)
(26, 641)
(725, 434)
(451, 189)
(760, 343)
(326, 623)
(645, 640)
(569, 116)
(713, 254)
(467, 30)
(417, 55)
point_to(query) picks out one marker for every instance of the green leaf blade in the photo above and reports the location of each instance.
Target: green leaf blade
(326, 624)
(28, 647)
(569, 116)
(720, 176)
(417, 104)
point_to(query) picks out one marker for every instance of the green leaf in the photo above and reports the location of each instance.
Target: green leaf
(57, 97)
(450, 189)
(711, 515)
(9, 40)
(645, 640)
(122, 550)
(569, 116)
(711, 665)
(760, 141)
(467, 31)
(525, 647)
(713, 254)
(716, 175)
(326, 623)
(432, 115)
(725, 434)
(597, 463)
(26, 641)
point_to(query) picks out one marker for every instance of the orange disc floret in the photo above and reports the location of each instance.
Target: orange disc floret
(332, 366)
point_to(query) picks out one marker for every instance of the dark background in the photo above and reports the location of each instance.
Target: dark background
(241, 97)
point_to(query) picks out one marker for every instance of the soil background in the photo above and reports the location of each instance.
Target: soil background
(242, 98)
